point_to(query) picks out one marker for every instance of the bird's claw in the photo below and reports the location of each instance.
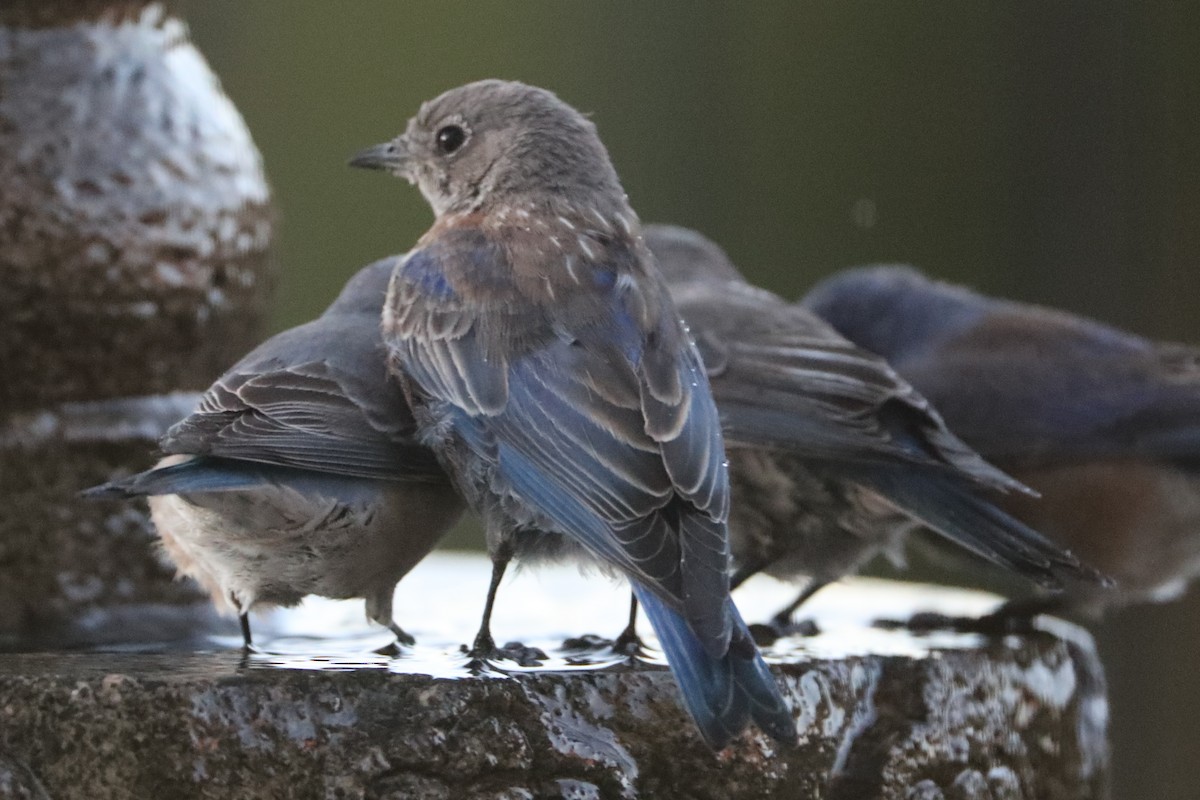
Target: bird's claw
(484, 652)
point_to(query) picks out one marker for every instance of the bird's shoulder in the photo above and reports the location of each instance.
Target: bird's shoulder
(528, 272)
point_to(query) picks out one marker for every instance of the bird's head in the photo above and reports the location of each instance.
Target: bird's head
(494, 142)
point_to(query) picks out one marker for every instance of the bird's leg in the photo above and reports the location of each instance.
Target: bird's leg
(484, 646)
(247, 640)
(379, 610)
(784, 617)
(244, 621)
(395, 647)
(781, 624)
(629, 642)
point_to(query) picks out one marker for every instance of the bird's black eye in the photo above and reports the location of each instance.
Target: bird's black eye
(450, 138)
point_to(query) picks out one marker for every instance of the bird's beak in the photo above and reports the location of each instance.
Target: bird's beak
(390, 156)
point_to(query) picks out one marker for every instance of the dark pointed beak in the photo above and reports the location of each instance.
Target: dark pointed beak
(389, 156)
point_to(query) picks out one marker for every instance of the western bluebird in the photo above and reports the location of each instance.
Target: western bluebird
(298, 472)
(1105, 424)
(548, 368)
(832, 454)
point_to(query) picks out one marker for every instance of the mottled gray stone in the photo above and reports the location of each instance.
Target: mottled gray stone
(134, 233)
(977, 719)
(135, 219)
(1004, 783)
(76, 572)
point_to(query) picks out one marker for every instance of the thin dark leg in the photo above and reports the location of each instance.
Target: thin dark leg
(402, 636)
(784, 617)
(244, 620)
(629, 642)
(485, 646)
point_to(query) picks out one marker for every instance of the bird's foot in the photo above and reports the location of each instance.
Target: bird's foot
(588, 642)
(584, 649)
(484, 651)
(392, 649)
(766, 634)
(522, 654)
(403, 637)
(1001, 622)
(629, 644)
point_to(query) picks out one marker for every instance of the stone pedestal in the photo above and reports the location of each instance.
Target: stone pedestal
(134, 233)
(880, 713)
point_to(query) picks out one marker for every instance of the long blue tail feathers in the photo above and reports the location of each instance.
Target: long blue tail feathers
(722, 694)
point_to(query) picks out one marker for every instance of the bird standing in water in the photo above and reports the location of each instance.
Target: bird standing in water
(548, 368)
(834, 458)
(1103, 423)
(298, 473)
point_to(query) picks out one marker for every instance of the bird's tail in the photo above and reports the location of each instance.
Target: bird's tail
(197, 474)
(722, 694)
(956, 510)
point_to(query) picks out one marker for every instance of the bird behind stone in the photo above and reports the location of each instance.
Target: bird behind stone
(1103, 423)
(298, 473)
(833, 456)
(549, 370)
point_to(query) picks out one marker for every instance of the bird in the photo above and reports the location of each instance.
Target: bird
(547, 367)
(298, 473)
(1104, 423)
(834, 458)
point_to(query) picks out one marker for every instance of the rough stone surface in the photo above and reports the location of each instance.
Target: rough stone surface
(134, 234)
(77, 572)
(1015, 718)
(135, 219)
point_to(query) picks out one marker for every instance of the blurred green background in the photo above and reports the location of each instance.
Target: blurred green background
(1043, 151)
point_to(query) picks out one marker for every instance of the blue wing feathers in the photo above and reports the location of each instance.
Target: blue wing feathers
(606, 431)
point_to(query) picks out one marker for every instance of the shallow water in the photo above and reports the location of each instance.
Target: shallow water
(440, 601)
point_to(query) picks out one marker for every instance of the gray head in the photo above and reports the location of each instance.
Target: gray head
(868, 291)
(685, 255)
(493, 142)
(893, 309)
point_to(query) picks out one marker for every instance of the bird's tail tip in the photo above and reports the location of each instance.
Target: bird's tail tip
(113, 490)
(722, 694)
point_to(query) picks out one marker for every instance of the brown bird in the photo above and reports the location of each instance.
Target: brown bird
(1103, 423)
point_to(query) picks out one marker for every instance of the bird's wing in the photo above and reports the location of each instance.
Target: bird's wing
(784, 380)
(1030, 392)
(316, 397)
(593, 409)
(1024, 384)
